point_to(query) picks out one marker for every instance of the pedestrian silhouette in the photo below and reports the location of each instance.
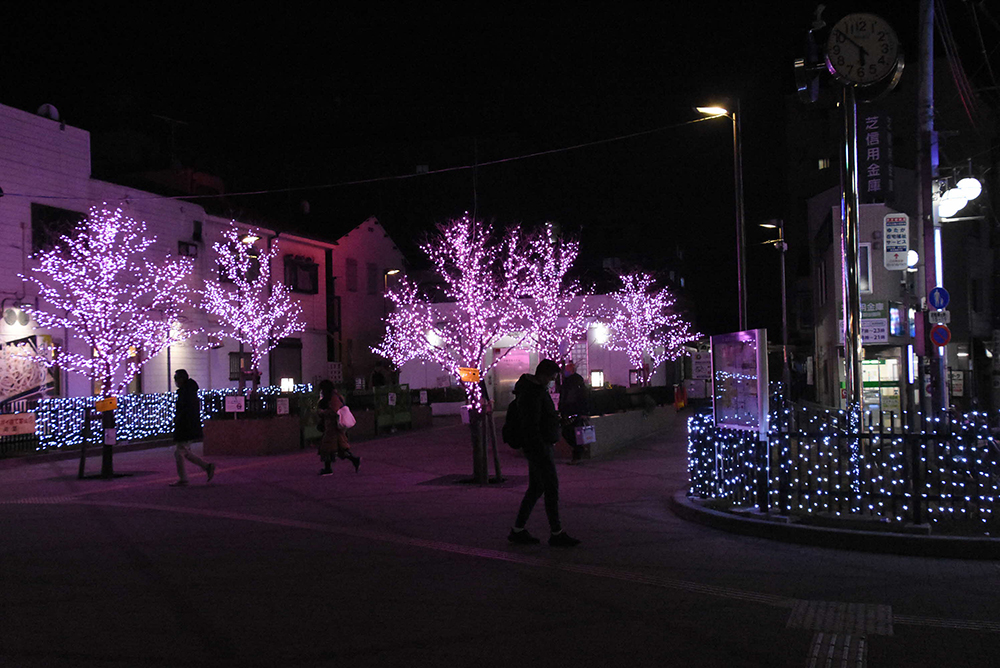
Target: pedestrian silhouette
(334, 443)
(187, 428)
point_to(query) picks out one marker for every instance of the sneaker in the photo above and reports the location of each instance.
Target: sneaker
(211, 472)
(522, 537)
(325, 472)
(179, 483)
(562, 539)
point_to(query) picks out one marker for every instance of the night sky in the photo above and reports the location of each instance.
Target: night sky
(306, 96)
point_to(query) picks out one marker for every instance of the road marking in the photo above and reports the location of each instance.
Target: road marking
(835, 617)
(634, 577)
(831, 650)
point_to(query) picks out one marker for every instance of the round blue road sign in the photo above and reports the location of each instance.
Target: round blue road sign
(940, 335)
(939, 298)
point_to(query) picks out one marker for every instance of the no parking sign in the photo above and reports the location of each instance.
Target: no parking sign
(940, 335)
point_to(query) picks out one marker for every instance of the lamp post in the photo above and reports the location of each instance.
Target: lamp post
(780, 244)
(741, 265)
(385, 290)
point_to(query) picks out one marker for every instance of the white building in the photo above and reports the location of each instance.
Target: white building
(45, 174)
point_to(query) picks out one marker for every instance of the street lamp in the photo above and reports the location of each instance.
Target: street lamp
(741, 265)
(385, 289)
(780, 244)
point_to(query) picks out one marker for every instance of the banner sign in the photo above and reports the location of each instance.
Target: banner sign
(13, 424)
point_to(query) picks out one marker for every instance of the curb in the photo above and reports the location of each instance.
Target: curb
(954, 547)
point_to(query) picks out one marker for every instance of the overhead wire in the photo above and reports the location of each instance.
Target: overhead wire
(444, 170)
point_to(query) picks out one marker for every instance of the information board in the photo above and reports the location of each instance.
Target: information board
(739, 388)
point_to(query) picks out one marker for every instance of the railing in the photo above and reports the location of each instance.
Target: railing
(943, 470)
(59, 422)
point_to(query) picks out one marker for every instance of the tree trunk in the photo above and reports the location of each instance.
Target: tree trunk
(480, 458)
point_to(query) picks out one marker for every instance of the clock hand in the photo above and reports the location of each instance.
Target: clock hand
(861, 49)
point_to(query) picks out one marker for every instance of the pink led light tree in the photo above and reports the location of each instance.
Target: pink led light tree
(553, 322)
(101, 284)
(483, 278)
(251, 309)
(645, 326)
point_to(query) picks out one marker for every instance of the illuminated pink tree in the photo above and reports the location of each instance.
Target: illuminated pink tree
(483, 276)
(553, 322)
(645, 326)
(101, 284)
(251, 309)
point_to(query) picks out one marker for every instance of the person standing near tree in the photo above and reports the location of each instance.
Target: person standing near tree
(187, 428)
(538, 431)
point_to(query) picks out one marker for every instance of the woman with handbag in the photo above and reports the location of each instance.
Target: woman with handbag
(335, 418)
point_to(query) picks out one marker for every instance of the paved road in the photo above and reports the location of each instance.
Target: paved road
(398, 565)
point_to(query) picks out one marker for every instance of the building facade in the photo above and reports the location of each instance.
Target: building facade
(45, 175)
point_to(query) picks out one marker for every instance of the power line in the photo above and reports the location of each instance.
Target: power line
(382, 179)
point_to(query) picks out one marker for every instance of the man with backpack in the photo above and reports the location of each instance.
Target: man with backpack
(533, 426)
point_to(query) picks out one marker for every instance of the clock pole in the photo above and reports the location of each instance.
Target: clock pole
(850, 208)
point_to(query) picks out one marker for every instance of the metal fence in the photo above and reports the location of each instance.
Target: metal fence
(59, 422)
(942, 470)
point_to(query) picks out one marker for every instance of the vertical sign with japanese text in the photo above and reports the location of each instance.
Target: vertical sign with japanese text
(875, 175)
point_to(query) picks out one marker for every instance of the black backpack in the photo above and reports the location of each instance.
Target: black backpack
(511, 431)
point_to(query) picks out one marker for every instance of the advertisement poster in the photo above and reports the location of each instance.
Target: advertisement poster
(22, 377)
(740, 396)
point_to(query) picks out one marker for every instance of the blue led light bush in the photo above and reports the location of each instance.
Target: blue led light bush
(941, 477)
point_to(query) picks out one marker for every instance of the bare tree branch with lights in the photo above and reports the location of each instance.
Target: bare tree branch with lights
(645, 326)
(101, 284)
(251, 309)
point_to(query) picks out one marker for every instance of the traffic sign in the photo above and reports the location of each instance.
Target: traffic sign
(938, 298)
(940, 335)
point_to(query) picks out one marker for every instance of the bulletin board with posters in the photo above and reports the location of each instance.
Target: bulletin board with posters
(739, 390)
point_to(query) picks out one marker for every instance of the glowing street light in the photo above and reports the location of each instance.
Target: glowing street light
(741, 267)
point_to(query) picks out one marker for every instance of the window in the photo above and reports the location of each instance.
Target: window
(238, 363)
(373, 282)
(49, 223)
(196, 231)
(351, 269)
(865, 267)
(187, 249)
(301, 274)
(824, 163)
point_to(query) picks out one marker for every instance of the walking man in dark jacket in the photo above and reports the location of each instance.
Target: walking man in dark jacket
(539, 430)
(187, 427)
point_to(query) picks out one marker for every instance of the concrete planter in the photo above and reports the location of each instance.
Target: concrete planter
(248, 437)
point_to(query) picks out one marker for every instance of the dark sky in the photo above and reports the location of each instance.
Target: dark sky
(311, 94)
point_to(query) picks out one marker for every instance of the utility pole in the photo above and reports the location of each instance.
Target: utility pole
(927, 174)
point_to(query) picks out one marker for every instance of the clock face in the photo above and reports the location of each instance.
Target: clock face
(862, 49)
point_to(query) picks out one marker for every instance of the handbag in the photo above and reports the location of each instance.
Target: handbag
(585, 434)
(345, 417)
